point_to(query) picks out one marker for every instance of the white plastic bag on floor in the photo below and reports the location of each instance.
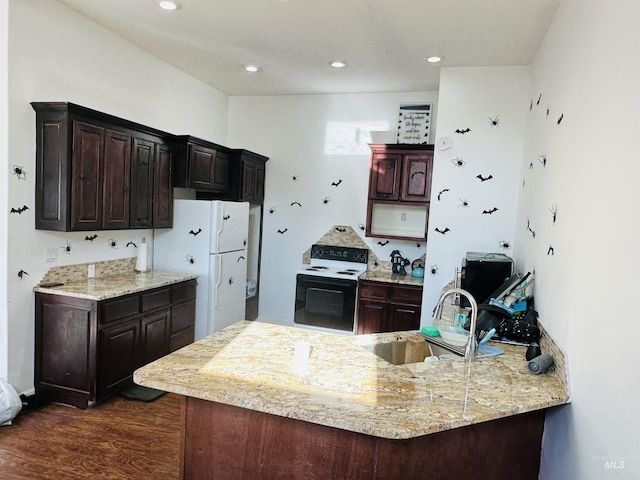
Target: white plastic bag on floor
(10, 403)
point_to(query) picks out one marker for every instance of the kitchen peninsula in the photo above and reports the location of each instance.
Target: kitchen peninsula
(258, 407)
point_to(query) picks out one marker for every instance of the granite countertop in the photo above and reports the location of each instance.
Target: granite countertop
(103, 288)
(389, 277)
(253, 365)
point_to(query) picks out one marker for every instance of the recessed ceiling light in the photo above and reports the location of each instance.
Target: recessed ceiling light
(169, 5)
(338, 64)
(251, 68)
(433, 59)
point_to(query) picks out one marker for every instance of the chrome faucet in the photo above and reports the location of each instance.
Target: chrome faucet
(472, 345)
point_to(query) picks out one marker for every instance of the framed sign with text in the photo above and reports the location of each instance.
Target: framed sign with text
(414, 121)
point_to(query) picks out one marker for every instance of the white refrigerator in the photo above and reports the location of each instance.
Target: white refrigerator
(208, 238)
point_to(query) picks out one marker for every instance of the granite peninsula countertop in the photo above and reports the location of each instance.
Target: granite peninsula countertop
(253, 365)
(104, 288)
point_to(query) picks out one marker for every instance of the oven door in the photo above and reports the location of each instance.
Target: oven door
(325, 302)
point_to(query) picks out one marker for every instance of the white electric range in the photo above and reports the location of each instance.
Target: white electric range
(326, 288)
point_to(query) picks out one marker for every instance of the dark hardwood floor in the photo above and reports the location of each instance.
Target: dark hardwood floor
(116, 439)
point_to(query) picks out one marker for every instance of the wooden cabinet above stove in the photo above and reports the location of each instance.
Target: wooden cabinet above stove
(399, 191)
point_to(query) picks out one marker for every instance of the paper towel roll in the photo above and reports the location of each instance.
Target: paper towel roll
(141, 261)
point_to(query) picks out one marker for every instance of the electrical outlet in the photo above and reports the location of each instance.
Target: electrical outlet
(50, 255)
(91, 271)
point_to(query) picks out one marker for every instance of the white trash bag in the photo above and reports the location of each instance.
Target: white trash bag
(10, 403)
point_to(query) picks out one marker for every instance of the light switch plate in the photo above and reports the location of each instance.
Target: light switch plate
(50, 255)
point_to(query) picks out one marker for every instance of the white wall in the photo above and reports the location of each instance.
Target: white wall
(470, 98)
(4, 173)
(291, 131)
(587, 69)
(57, 55)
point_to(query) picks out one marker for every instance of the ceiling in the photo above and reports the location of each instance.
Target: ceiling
(383, 42)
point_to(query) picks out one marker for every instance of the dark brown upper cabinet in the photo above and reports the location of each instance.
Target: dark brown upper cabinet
(248, 172)
(95, 171)
(401, 172)
(399, 191)
(201, 165)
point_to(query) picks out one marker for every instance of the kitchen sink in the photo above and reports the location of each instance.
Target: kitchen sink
(394, 351)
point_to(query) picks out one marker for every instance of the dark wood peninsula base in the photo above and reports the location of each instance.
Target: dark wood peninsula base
(227, 442)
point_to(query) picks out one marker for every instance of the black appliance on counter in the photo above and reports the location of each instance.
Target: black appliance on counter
(482, 273)
(326, 288)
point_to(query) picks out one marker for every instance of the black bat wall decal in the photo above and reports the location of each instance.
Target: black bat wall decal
(416, 173)
(131, 243)
(462, 132)
(195, 232)
(490, 212)
(341, 230)
(539, 98)
(226, 217)
(335, 184)
(560, 118)
(447, 229)
(551, 251)
(90, 238)
(22, 273)
(484, 179)
(296, 203)
(441, 192)
(19, 210)
(383, 243)
(282, 231)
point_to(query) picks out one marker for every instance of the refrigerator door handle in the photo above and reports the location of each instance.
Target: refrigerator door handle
(220, 223)
(216, 290)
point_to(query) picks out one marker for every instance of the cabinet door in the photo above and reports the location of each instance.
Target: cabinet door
(372, 317)
(86, 176)
(65, 348)
(163, 187)
(248, 181)
(117, 355)
(153, 336)
(259, 192)
(384, 182)
(141, 197)
(117, 175)
(403, 317)
(201, 161)
(221, 172)
(416, 177)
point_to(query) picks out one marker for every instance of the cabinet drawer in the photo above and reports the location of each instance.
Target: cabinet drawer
(119, 308)
(156, 299)
(181, 339)
(373, 290)
(183, 291)
(406, 294)
(183, 316)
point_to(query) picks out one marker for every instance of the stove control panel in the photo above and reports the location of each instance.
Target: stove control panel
(342, 254)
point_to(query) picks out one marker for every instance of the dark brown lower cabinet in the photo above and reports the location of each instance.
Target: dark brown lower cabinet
(224, 442)
(87, 350)
(388, 307)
